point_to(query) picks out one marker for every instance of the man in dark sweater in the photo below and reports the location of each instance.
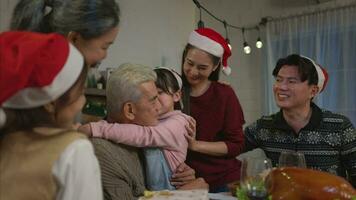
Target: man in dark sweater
(327, 140)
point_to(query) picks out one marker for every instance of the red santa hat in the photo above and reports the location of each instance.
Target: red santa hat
(212, 42)
(35, 69)
(323, 75)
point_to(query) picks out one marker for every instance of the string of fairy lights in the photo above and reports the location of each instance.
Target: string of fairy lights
(246, 47)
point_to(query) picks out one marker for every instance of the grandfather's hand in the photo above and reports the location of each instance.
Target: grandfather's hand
(198, 183)
(182, 176)
(85, 129)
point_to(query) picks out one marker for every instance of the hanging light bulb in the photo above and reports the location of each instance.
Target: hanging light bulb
(228, 43)
(247, 49)
(227, 35)
(259, 43)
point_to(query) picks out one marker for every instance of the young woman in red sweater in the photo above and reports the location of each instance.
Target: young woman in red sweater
(216, 109)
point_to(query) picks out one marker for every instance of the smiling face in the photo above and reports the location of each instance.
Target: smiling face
(94, 50)
(197, 67)
(290, 92)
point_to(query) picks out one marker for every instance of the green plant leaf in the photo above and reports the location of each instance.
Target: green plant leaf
(241, 194)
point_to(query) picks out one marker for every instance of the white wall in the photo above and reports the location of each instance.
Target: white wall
(152, 32)
(6, 7)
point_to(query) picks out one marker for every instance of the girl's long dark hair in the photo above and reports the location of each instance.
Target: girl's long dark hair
(214, 76)
(167, 82)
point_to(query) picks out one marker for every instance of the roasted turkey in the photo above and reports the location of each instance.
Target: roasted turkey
(291, 183)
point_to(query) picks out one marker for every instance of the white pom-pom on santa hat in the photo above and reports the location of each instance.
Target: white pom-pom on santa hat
(323, 75)
(226, 70)
(212, 42)
(35, 69)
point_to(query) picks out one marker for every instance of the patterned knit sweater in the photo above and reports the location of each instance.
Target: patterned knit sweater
(121, 170)
(328, 141)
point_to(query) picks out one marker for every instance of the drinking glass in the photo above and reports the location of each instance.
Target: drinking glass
(253, 173)
(292, 159)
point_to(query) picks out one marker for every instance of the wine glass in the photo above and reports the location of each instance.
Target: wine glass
(253, 173)
(292, 159)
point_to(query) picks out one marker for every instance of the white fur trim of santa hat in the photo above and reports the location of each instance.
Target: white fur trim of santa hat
(322, 76)
(34, 96)
(206, 44)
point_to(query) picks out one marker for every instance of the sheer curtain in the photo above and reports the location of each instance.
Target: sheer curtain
(329, 37)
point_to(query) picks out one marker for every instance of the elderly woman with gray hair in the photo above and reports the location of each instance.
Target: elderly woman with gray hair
(91, 26)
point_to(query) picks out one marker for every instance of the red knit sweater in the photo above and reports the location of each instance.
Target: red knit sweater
(219, 118)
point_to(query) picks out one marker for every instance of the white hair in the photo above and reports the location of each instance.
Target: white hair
(123, 85)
